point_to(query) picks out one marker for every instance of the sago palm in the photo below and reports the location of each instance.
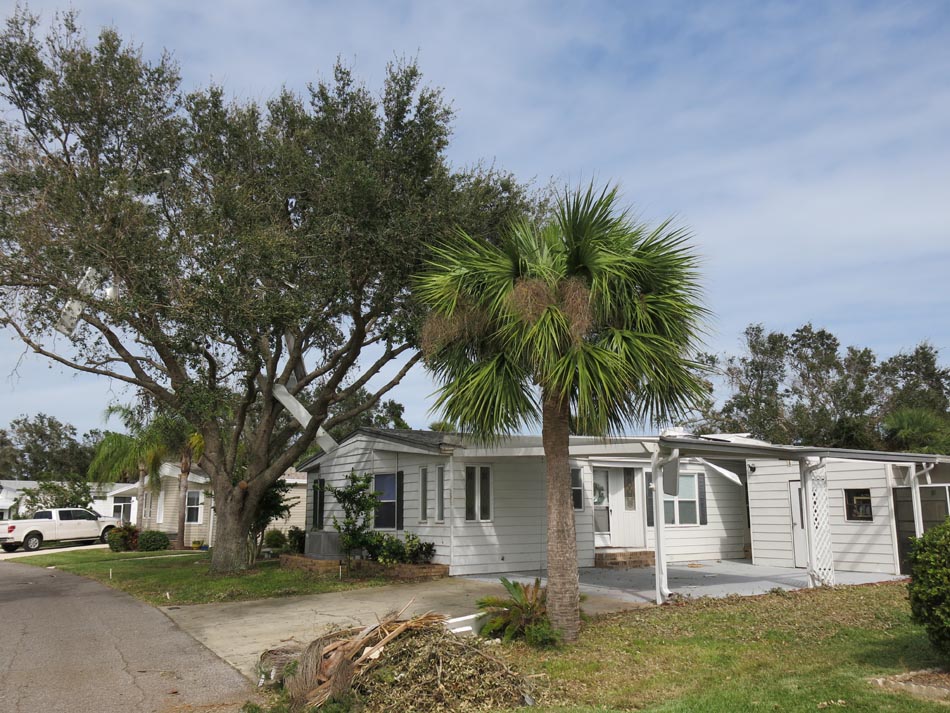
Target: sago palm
(583, 324)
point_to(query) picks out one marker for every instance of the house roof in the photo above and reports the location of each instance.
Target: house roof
(737, 446)
(426, 440)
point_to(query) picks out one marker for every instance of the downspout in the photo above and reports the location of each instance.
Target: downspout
(915, 496)
(659, 525)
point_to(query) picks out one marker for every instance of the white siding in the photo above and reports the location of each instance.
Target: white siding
(726, 534)
(857, 546)
(516, 538)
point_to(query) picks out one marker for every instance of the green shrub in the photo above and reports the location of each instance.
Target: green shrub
(524, 610)
(152, 541)
(417, 551)
(296, 540)
(541, 635)
(275, 539)
(389, 549)
(929, 587)
(123, 538)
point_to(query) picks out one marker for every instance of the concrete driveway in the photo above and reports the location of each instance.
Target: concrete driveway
(48, 551)
(71, 644)
(240, 631)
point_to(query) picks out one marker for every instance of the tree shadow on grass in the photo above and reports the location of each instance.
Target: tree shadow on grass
(909, 651)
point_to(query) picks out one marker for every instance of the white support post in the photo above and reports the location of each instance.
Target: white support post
(821, 570)
(915, 496)
(659, 530)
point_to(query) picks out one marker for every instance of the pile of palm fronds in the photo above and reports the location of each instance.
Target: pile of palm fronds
(396, 664)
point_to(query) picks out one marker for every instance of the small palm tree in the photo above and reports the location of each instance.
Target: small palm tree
(143, 449)
(583, 324)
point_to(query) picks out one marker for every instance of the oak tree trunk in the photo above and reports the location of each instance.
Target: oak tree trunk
(563, 595)
(235, 508)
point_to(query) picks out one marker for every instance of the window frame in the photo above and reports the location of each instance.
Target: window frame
(197, 507)
(424, 493)
(578, 489)
(479, 469)
(318, 519)
(847, 511)
(381, 501)
(440, 493)
(122, 502)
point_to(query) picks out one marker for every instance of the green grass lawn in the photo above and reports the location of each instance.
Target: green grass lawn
(802, 651)
(165, 578)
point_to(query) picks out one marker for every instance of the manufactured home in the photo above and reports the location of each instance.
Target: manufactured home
(160, 509)
(729, 497)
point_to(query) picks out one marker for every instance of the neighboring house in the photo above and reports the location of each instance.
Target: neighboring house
(112, 499)
(10, 492)
(485, 507)
(160, 511)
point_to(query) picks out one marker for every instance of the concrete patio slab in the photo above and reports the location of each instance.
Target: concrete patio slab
(712, 578)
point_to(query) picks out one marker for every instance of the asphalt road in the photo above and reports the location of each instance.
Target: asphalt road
(70, 644)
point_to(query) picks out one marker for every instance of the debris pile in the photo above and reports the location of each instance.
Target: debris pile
(400, 665)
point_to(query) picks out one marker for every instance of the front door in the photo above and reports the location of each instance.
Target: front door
(601, 508)
(626, 510)
(799, 536)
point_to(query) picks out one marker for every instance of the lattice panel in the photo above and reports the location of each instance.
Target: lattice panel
(822, 570)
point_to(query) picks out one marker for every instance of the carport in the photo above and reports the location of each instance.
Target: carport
(725, 455)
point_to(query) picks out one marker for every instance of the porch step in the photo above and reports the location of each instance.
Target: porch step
(624, 559)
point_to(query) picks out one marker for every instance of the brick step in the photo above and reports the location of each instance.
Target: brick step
(624, 559)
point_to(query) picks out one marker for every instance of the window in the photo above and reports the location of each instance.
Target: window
(629, 489)
(147, 507)
(577, 489)
(687, 508)
(423, 494)
(122, 508)
(857, 505)
(385, 486)
(193, 507)
(685, 504)
(43, 515)
(84, 515)
(477, 493)
(440, 493)
(319, 502)
(64, 515)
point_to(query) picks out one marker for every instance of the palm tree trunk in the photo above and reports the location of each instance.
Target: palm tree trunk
(563, 596)
(140, 498)
(183, 496)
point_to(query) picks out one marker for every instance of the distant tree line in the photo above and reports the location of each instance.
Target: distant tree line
(44, 448)
(806, 388)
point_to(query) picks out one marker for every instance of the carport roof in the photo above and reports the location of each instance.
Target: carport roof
(744, 448)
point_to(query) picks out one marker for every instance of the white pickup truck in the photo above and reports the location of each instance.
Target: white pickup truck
(61, 524)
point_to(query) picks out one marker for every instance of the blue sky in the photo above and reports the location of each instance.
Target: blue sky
(805, 145)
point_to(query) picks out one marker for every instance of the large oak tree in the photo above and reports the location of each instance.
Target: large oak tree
(235, 248)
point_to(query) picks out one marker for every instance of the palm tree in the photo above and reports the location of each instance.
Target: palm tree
(583, 324)
(918, 430)
(143, 449)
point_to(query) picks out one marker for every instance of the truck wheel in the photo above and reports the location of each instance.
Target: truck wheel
(10, 548)
(32, 542)
(104, 539)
